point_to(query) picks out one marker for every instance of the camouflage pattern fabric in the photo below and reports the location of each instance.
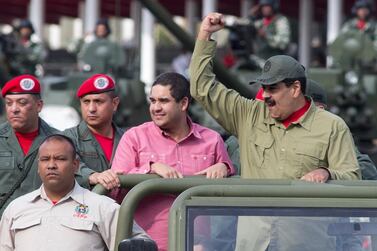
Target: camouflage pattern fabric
(277, 39)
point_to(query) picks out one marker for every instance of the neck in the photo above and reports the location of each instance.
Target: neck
(30, 129)
(106, 131)
(58, 193)
(300, 103)
(180, 131)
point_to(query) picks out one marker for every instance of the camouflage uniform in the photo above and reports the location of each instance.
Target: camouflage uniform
(102, 55)
(13, 162)
(277, 39)
(90, 151)
(370, 29)
(27, 57)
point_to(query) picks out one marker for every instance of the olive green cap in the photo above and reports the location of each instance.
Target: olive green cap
(316, 92)
(278, 68)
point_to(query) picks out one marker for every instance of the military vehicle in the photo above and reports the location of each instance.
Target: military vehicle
(351, 85)
(340, 215)
(105, 56)
(102, 56)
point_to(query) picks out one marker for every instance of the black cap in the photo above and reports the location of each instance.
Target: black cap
(279, 68)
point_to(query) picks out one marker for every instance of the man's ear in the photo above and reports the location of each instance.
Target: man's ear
(297, 88)
(115, 102)
(40, 105)
(76, 164)
(185, 104)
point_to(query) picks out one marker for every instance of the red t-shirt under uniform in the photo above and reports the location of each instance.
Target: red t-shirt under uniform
(106, 144)
(26, 140)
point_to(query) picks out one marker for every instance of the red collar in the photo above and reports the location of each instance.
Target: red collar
(267, 20)
(259, 95)
(296, 115)
(361, 24)
(27, 134)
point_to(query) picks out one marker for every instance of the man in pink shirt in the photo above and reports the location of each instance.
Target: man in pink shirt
(171, 146)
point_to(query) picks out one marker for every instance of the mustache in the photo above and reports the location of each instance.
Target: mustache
(269, 101)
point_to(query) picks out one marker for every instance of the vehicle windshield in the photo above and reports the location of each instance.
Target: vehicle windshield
(280, 228)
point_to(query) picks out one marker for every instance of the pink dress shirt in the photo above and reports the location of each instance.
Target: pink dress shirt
(145, 144)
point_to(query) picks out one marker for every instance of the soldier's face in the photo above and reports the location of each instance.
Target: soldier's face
(101, 30)
(267, 10)
(57, 166)
(165, 112)
(98, 109)
(22, 112)
(362, 13)
(25, 32)
(281, 100)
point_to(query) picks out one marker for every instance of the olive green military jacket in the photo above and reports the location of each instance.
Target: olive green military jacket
(13, 161)
(28, 56)
(267, 148)
(90, 151)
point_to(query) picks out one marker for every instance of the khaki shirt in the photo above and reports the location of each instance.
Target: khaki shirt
(82, 220)
(267, 148)
(13, 161)
(90, 151)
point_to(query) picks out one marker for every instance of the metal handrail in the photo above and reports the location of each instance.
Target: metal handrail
(147, 184)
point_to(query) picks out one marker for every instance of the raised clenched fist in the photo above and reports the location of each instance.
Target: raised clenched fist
(211, 23)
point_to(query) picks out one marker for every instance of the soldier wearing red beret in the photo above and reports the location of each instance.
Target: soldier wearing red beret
(20, 137)
(97, 136)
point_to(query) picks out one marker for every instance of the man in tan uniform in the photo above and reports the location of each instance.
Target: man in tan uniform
(283, 137)
(60, 215)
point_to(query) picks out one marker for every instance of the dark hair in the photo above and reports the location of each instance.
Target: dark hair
(179, 85)
(37, 96)
(289, 81)
(113, 93)
(61, 138)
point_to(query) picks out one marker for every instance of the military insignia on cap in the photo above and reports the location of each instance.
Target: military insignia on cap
(101, 83)
(81, 211)
(267, 66)
(27, 84)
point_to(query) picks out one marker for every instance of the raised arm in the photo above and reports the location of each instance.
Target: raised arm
(225, 105)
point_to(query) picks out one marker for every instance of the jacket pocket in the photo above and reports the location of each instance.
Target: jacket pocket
(262, 151)
(78, 224)
(25, 223)
(6, 161)
(309, 157)
(92, 160)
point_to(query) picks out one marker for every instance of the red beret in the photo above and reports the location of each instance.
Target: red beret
(22, 84)
(97, 83)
